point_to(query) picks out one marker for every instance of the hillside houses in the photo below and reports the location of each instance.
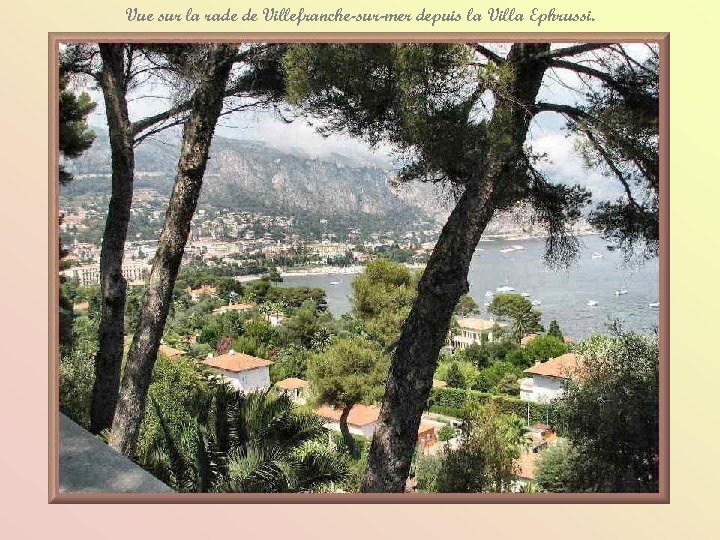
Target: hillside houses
(243, 372)
(547, 379)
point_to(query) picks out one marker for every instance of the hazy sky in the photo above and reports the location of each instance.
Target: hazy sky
(547, 133)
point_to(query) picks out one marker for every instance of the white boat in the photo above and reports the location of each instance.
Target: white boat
(504, 289)
(335, 282)
(620, 292)
(654, 304)
(592, 303)
(487, 304)
(525, 294)
(511, 249)
(489, 294)
(536, 302)
(597, 255)
(518, 247)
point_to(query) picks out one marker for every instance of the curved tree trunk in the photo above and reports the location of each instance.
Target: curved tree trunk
(347, 436)
(445, 278)
(198, 131)
(112, 284)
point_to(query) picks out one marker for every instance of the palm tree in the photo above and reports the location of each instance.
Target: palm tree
(255, 443)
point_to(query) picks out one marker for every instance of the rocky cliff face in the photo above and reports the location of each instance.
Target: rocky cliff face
(243, 174)
(254, 176)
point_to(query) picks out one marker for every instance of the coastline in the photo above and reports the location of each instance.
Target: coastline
(358, 269)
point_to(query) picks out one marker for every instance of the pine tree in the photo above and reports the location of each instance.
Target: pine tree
(455, 377)
(74, 138)
(411, 96)
(554, 330)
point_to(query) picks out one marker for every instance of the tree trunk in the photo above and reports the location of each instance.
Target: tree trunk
(207, 104)
(112, 284)
(445, 278)
(347, 436)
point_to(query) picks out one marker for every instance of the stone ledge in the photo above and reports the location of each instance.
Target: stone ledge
(89, 465)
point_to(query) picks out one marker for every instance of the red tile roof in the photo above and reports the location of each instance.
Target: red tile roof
(425, 427)
(236, 362)
(561, 367)
(360, 415)
(291, 383)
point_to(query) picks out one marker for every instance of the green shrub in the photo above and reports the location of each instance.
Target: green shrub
(446, 433)
(77, 376)
(452, 402)
(427, 469)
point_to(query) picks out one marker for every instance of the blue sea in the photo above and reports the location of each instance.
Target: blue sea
(563, 294)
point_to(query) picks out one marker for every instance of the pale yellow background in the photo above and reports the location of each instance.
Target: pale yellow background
(24, 276)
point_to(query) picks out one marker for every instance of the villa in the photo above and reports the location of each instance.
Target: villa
(244, 372)
(362, 421)
(471, 331)
(548, 379)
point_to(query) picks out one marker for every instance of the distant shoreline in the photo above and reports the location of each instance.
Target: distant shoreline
(358, 269)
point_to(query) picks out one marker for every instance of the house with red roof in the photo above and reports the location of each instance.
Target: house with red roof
(362, 421)
(244, 372)
(547, 379)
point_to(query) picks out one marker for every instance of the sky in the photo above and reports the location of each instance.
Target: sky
(547, 135)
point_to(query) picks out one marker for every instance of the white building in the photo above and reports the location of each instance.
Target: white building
(471, 330)
(362, 421)
(244, 372)
(548, 379)
(90, 274)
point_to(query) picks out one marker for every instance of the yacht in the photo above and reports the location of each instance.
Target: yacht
(620, 292)
(592, 303)
(505, 288)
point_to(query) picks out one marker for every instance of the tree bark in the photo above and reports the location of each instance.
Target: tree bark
(445, 278)
(198, 130)
(347, 436)
(112, 284)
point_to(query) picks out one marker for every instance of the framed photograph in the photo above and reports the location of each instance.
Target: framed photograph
(376, 268)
